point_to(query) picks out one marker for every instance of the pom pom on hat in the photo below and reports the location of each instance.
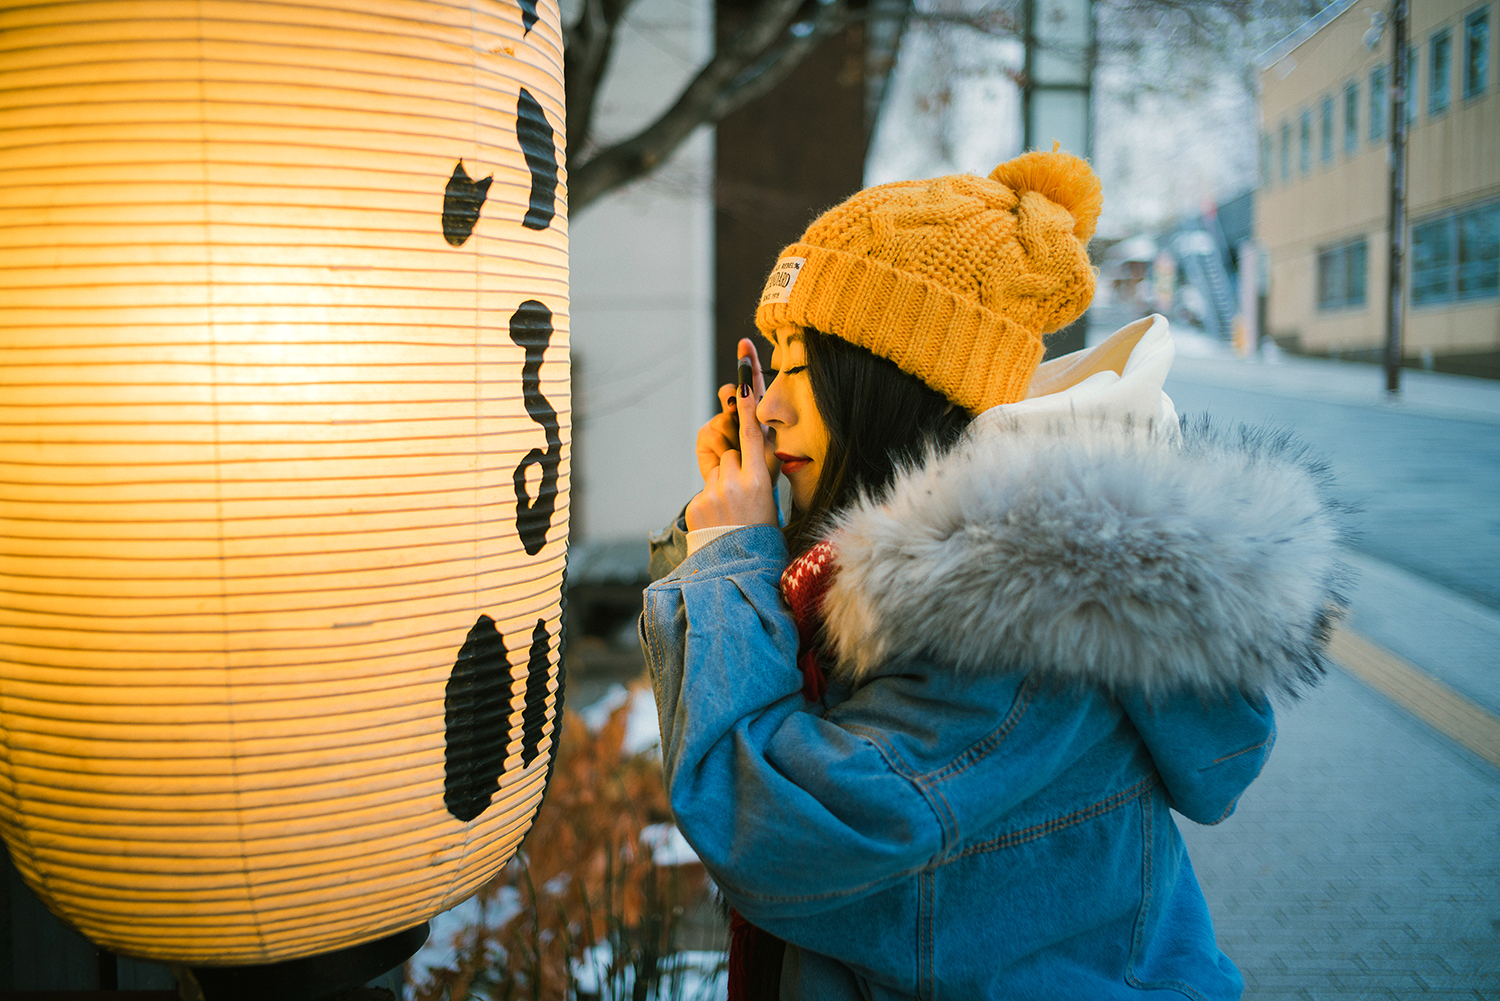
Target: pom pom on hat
(955, 279)
(1061, 178)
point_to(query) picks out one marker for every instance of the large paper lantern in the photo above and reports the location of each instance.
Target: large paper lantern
(284, 461)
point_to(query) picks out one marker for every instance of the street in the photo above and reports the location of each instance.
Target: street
(1365, 862)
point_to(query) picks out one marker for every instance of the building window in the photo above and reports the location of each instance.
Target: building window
(1304, 147)
(1477, 53)
(1479, 252)
(1351, 118)
(1341, 275)
(1456, 255)
(1286, 152)
(1325, 123)
(1432, 261)
(1440, 68)
(1379, 104)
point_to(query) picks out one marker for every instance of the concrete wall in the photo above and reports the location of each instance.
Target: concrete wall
(1452, 161)
(642, 309)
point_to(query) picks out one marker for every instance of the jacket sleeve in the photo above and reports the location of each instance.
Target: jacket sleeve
(761, 786)
(668, 547)
(1207, 748)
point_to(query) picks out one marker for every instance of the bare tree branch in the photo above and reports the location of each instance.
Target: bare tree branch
(1002, 19)
(775, 40)
(587, 45)
(750, 64)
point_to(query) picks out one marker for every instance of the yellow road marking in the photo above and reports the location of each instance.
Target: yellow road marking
(1418, 692)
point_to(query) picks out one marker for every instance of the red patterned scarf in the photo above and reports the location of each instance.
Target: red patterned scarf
(755, 955)
(804, 584)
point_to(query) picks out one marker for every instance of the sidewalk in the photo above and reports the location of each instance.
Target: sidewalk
(1427, 394)
(1429, 498)
(1365, 862)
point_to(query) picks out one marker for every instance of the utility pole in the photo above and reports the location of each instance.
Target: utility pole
(1396, 272)
(1056, 90)
(1057, 79)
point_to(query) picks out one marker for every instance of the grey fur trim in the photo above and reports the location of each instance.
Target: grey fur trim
(1093, 555)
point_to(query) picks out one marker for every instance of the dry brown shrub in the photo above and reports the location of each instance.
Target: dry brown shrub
(582, 878)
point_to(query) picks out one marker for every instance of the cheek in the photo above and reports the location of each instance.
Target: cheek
(814, 432)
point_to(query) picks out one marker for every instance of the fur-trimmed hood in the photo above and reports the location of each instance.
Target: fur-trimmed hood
(1132, 553)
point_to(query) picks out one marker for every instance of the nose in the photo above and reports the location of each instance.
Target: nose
(772, 407)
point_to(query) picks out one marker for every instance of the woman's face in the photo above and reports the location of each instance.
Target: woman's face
(801, 439)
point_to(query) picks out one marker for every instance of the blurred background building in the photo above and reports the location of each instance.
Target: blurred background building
(642, 290)
(1323, 205)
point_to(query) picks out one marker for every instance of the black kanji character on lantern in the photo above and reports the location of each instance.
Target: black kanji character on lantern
(531, 328)
(461, 203)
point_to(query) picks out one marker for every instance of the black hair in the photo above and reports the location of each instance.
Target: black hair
(879, 419)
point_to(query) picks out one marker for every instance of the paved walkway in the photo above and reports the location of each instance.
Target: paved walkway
(1365, 862)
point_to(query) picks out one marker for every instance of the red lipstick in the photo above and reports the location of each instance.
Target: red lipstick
(791, 463)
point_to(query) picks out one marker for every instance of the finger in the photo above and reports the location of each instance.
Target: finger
(726, 397)
(746, 349)
(708, 458)
(715, 438)
(752, 442)
(727, 426)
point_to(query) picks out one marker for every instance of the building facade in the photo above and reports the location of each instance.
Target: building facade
(1324, 197)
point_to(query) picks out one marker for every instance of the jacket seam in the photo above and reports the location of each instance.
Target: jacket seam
(978, 752)
(925, 892)
(737, 567)
(1227, 811)
(1148, 882)
(1035, 831)
(814, 897)
(1247, 750)
(946, 820)
(653, 647)
(887, 750)
(1137, 938)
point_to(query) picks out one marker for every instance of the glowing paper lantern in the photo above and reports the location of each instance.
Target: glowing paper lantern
(284, 461)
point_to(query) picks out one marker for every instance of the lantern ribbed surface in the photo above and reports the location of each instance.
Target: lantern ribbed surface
(283, 461)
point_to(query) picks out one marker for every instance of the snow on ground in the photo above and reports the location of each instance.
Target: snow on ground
(685, 976)
(440, 949)
(642, 731)
(668, 847)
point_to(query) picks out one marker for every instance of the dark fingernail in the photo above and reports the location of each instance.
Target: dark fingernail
(744, 389)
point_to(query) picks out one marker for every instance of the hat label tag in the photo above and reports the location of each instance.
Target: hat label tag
(783, 277)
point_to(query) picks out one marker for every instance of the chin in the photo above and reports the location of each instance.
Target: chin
(802, 499)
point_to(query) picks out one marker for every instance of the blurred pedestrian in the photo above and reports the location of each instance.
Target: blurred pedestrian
(925, 736)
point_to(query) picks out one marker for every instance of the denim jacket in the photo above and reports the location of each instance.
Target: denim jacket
(1042, 644)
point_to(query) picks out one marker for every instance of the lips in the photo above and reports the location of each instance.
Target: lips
(791, 463)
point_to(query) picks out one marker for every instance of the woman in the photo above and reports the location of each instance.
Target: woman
(928, 735)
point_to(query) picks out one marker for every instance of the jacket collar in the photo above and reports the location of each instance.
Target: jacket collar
(1096, 540)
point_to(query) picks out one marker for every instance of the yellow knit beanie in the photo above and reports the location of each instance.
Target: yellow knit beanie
(955, 279)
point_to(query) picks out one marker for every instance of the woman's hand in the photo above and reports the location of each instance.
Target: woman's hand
(738, 470)
(722, 433)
